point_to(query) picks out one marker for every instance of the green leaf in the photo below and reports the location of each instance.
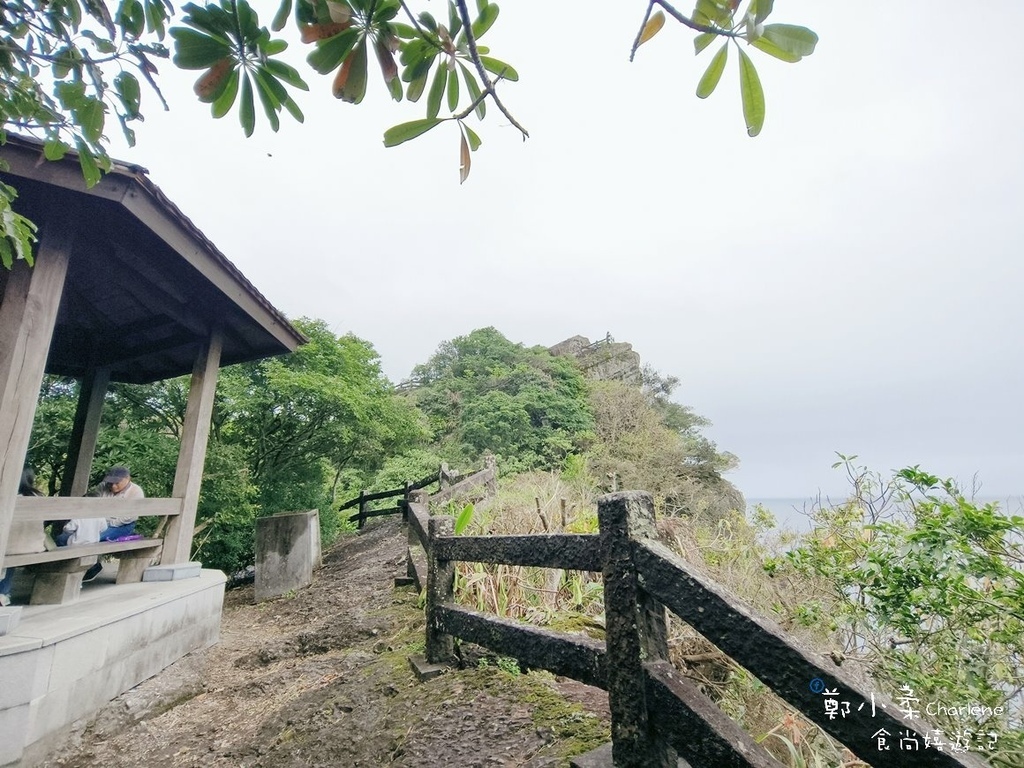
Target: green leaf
(713, 74)
(90, 118)
(703, 40)
(712, 12)
(428, 22)
(751, 94)
(281, 17)
(354, 88)
(473, 87)
(453, 90)
(395, 88)
(102, 44)
(474, 140)
(415, 89)
(466, 515)
(271, 104)
(223, 103)
(55, 149)
(791, 38)
(275, 47)
(763, 10)
(293, 110)
(406, 131)
(87, 162)
(196, 50)
(247, 110)
(329, 53)
(437, 90)
(131, 17)
(287, 73)
(127, 87)
(499, 68)
(485, 20)
(766, 45)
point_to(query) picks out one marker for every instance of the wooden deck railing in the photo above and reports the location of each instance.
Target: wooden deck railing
(657, 713)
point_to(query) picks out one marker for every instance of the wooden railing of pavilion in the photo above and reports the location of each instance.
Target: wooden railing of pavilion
(657, 713)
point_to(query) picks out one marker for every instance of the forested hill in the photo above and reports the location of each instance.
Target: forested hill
(307, 430)
(538, 410)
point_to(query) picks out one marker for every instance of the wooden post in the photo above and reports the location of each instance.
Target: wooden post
(362, 508)
(440, 590)
(635, 631)
(188, 476)
(28, 313)
(84, 432)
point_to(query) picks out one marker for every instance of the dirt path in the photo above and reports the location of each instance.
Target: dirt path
(322, 679)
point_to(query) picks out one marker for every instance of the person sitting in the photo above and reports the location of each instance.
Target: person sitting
(117, 484)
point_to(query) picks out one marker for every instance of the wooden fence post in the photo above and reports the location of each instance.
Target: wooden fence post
(440, 590)
(635, 631)
(362, 509)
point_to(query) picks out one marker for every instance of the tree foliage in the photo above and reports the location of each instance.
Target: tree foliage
(928, 587)
(68, 67)
(645, 440)
(483, 393)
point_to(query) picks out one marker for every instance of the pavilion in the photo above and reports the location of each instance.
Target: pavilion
(124, 289)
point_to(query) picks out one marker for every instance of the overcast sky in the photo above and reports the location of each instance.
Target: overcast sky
(851, 280)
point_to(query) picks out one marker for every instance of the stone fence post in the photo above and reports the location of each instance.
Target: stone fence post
(440, 590)
(635, 631)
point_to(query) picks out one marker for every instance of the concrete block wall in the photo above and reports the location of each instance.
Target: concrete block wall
(66, 662)
(287, 550)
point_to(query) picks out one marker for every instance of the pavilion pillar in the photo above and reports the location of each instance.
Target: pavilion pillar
(194, 435)
(85, 432)
(28, 314)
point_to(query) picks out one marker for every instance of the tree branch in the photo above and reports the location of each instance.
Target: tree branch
(688, 22)
(474, 54)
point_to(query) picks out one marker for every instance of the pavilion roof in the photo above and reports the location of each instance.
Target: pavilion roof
(144, 284)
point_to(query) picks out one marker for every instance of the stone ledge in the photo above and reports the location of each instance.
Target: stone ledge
(424, 670)
(602, 758)
(9, 618)
(172, 572)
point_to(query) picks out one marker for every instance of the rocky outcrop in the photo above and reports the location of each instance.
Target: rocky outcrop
(604, 359)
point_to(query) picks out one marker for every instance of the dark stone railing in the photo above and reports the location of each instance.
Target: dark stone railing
(448, 485)
(657, 714)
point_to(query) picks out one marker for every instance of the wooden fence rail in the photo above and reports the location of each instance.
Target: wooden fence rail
(657, 714)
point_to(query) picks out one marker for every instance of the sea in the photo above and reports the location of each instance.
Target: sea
(793, 513)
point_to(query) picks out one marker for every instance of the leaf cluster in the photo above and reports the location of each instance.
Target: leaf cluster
(67, 66)
(483, 393)
(930, 591)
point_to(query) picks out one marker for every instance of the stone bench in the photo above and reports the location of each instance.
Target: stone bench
(59, 572)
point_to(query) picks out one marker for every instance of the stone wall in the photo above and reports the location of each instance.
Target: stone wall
(604, 360)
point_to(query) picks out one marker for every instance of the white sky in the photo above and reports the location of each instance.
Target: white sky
(849, 281)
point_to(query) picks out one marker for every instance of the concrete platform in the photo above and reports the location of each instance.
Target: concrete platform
(61, 663)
